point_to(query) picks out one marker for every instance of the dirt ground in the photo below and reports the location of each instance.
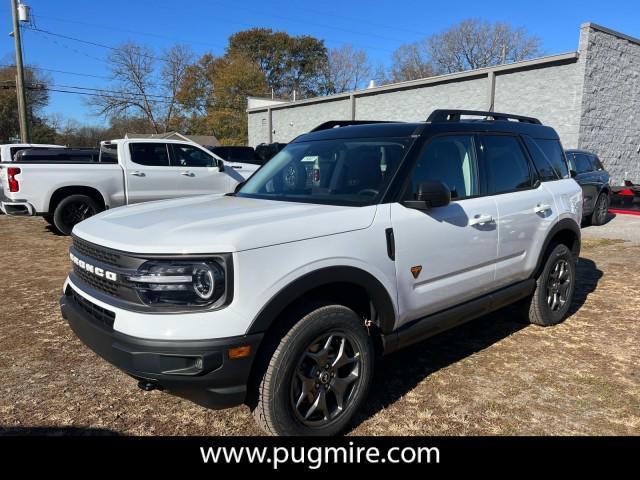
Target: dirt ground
(491, 376)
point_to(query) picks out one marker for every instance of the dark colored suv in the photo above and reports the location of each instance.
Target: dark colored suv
(588, 171)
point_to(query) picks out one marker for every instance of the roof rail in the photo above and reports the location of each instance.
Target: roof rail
(345, 123)
(438, 116)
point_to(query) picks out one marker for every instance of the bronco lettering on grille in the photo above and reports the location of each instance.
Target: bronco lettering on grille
(100, 272)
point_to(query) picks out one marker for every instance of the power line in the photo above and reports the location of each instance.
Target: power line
(32, 67)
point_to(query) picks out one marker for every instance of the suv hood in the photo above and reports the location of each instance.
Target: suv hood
(217, 224)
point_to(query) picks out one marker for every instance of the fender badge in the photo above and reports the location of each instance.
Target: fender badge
(415, 271)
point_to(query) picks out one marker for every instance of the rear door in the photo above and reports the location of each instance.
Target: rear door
(149, 174)
(197, 171)
(526, 209)
(446, 255)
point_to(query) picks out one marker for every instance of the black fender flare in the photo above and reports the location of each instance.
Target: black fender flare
(325, 276)
(565, 224)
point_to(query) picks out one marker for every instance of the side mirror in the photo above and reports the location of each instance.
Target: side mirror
(220, 165)
(573, 173)
(430, 194)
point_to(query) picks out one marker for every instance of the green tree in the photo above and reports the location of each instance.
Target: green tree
(37, 98)
(215, 91)
(289, 63)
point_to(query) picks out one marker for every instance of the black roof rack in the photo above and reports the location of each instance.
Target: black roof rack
(345, 123)
(438, 116)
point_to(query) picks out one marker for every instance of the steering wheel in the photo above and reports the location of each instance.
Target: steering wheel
(369, 192)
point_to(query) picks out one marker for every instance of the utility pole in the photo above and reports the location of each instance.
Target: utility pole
(22, 101)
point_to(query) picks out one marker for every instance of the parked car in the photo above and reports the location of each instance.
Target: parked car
(128, 171)
(233, 154)
(266, 151)
(588, 171)
(8, 150)
(351, 242)
(65, 155)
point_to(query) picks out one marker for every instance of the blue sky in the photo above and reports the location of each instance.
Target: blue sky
(375, 26)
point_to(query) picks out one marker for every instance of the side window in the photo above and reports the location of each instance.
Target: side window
(543, 165)
(451, 160)
(504, 166)
(190, 156)
(583, 165)
(553, 151)
(595, 163)
(149, 154)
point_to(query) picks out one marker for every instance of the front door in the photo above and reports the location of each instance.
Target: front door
(445, 256)
(197, 171)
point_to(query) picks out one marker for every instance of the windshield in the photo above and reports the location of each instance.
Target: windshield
(345, 171)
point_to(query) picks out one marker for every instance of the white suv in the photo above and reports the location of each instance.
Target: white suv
(355, 240)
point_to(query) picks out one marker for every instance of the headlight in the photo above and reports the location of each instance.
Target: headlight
(177, 283)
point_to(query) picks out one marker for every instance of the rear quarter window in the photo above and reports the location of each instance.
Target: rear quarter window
(555, 155)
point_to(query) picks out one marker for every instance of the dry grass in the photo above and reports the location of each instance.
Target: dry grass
(491, 376)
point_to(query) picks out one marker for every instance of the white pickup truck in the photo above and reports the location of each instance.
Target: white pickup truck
(128, 171)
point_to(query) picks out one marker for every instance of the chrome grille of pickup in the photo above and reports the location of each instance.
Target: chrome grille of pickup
(93, 251)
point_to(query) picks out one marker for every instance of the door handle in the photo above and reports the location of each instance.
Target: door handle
(237, 167)
(541, 208)
(137, 173)
(480, 220)
(187, 174)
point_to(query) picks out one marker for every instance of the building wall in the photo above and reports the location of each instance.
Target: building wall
(552, 94)
(415, 104)
(610, 122)
(288, 123)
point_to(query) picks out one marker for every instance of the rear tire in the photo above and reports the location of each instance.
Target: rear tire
(600, 210)
(555, 286)
(318, 376)
(72, 210)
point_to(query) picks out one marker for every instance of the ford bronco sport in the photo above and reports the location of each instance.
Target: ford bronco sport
(357, 239)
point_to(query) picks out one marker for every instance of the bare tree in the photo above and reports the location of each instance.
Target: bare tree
(347, 69)
(411, 62)
(475, 44)
(141, 87)
(467, 45)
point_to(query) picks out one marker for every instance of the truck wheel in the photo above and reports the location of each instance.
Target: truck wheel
(318, 375)
(554, 290)
(71, 210)
(599, 215)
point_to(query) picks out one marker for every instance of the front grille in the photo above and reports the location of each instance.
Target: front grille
(100, 315)
(102, 284)
(101, 254)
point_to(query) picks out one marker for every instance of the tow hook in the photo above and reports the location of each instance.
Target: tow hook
(148, 386)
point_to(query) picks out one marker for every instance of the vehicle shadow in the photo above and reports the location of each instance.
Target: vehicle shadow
(586, 224)
(400, 372)
(55, 431)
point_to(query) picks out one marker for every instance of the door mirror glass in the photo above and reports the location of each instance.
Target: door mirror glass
(429, 194)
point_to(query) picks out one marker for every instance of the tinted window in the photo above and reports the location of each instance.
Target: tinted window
(505, 168)
(582, 163)
(545, 170)
(553, 151)
(190, 156)
(450, 160)
(342, 171)
(150, 154)
(108, 153)
(595, 163)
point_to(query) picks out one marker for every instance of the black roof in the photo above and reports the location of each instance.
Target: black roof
(398, 130)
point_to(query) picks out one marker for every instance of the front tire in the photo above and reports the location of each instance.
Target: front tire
(554, 290)
(318, 376)
(72, 210)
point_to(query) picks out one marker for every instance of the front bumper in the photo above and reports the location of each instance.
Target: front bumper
(198, 370)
